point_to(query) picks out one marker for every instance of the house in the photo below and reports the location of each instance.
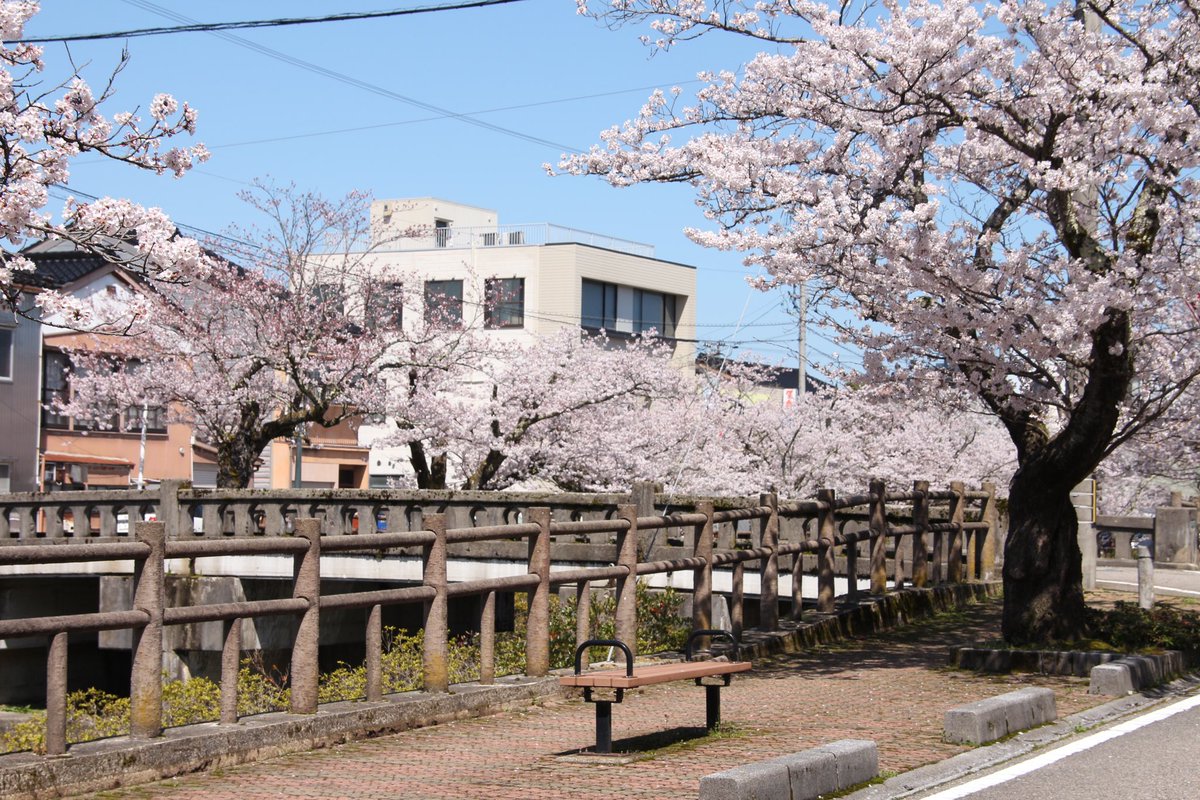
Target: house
(72, 454)
(20, 390)
(528, 280)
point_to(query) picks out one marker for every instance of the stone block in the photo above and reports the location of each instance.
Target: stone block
(1112, 679)
(811, 772)
(994, 718)
(857, 761)
(765, 780)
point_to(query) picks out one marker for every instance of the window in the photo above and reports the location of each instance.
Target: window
(504, 303)
(5, 478)
(624, 309)
(441, 232)
(6, 353)
(384, 306)
(444, 303)
(332, 296)
(156, 419)
(54, 389)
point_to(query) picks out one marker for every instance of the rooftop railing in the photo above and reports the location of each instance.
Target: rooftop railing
(498, 236)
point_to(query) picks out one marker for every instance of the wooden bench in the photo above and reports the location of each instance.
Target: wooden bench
(632, 677)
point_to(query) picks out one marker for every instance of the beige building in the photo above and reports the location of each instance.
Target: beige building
(526, 280)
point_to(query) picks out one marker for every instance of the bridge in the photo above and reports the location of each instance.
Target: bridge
(343, 559)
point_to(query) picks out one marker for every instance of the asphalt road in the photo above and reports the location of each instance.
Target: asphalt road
(1148, 757)
(1176, 582)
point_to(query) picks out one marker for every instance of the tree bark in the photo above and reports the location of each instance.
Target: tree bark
(1043, 574)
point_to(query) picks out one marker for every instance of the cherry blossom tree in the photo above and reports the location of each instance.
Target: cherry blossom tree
(510, 411)
(1000, 196)
(296, 329)
(44, 127)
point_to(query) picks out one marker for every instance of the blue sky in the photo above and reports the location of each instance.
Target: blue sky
(561, 77)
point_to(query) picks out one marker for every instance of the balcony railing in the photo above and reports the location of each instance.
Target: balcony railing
(538, 233)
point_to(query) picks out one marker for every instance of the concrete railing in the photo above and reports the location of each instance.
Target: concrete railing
(919, 537)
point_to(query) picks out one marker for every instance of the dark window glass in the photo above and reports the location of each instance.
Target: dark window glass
(651, 310)
(6, 353)
(156, 419)
(54, 388)
(444, 303)
(504, 303)
(385, 306)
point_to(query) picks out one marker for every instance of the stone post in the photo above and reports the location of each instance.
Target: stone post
(537, 629)
(1145, 573)
(879, 528)
(435, 659)
(627, 556)
(954, 558)
(583, 618)
(826, 530)
(1174, 535)
(56, 695)
(768, 597)
(989, 541)
(702, 547)
(231, 656)
(374, 655)
(145, 683)
(920, 515)
(306, 570)
(487, 640)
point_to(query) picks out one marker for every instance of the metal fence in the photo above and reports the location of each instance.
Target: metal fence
(918, 537)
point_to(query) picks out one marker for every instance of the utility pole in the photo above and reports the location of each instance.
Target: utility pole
(800, 303)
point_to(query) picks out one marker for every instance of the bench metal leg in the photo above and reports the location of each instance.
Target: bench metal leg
(603, 726)
(712, 706)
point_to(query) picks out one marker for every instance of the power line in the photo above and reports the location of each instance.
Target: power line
(210, 27)
(355, 82)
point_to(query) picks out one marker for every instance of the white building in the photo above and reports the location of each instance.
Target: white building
(531, 279)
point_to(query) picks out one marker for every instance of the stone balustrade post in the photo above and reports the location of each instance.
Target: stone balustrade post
(989, 540)
(826, 531)
(920, 517)
(56, 695)
(537, 629)
(306, 584)
(487, 640)
(702, 547)
(435, 659)
(768, 596)
(145, 681)
(954, 559)
(879, 534)
(627, 556)
(231, 657)
(374, 654)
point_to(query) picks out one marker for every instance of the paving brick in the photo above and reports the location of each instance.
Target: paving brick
(892, 688)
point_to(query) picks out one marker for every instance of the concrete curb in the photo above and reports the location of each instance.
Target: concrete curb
(797, 776)
(1134, 673)
(996, 717)
(980, 759)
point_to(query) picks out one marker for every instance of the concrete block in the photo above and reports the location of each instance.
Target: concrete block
(857, 761)
(812, 772)
(994, 718)
(765, 780)
(1113, 679)
(1131, 673)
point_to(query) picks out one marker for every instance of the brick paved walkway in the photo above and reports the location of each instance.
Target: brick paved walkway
(893, 688)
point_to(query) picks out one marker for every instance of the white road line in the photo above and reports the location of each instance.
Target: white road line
(1156, 588)
(1070, 749)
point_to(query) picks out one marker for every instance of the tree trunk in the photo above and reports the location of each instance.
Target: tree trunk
(1043, 574)
(235, 463)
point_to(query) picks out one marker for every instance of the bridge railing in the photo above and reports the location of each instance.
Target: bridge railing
(918, 537)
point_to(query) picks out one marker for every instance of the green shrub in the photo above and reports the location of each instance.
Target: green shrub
(1129, 628)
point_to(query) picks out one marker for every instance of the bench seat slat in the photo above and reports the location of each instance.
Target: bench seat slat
(653, 674)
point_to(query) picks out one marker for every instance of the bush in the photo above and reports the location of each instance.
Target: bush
(1129, 628)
